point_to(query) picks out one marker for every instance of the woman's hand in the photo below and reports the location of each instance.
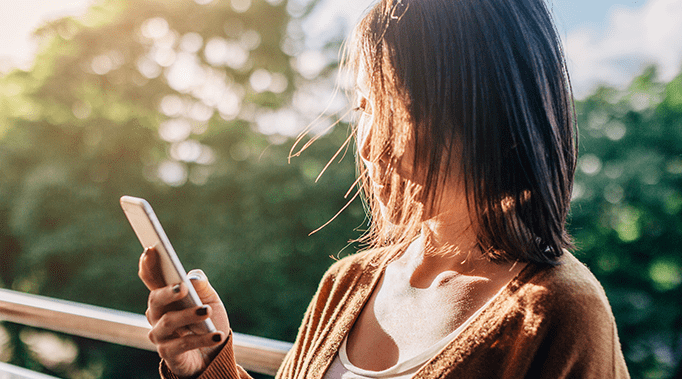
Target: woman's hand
(186, 354)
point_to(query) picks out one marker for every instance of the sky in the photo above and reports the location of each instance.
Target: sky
(606, 41)
(18, 19)
(630, 39)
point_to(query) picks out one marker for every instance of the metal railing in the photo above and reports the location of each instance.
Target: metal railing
(8, 371)
(256, 354)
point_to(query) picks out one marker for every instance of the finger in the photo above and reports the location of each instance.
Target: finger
(150, 269)
(176, 323)
(203, 288)
(161, 298)
(170, 350)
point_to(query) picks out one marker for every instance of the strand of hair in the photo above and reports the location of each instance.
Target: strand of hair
(337, 214)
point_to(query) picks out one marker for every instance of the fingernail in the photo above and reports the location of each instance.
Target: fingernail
(196, 274)
(203, 311)
(216, 337)
(176, 288)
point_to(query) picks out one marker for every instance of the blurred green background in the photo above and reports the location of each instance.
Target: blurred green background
(193, 106)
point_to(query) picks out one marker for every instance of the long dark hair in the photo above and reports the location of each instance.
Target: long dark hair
(481, 84)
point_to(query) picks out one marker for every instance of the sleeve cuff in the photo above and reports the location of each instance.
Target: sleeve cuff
(223, 366)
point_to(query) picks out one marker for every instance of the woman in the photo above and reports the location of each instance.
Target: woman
(466, 148)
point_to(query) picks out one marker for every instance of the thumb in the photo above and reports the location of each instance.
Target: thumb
(204, 289)
(210, 297)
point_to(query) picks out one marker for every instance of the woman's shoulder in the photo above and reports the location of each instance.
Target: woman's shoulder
(570, 277)
(568, 290)
(566, 315)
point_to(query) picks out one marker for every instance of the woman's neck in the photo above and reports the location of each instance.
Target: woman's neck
(448, 243)
(428, 260)
(450, 232)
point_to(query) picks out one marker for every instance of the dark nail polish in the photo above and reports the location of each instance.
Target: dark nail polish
(216, 338)
(176, 288)
(203, 311)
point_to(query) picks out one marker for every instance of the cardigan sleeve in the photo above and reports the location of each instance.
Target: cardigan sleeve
(223, 366)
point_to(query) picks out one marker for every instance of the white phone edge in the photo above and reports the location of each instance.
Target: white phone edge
(163, 238)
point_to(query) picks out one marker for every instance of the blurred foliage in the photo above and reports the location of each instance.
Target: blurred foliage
(166, 100)
(626, 214)
(161, 99)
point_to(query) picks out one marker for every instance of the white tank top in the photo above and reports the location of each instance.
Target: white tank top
(342, 368)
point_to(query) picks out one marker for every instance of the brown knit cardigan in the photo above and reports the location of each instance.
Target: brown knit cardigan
(549, 322)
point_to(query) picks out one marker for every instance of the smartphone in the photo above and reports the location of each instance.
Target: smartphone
(150, 233)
